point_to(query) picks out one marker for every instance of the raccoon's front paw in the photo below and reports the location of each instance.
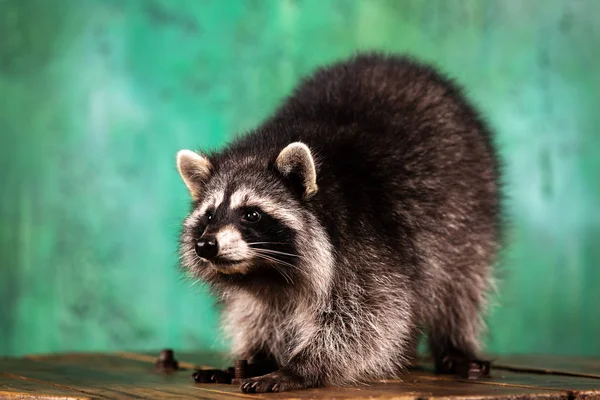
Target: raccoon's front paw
(212, 376)
(278, 381)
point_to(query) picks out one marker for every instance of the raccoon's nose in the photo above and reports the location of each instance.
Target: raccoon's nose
(207, 247)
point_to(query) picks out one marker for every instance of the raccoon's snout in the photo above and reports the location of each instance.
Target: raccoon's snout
(207, 248)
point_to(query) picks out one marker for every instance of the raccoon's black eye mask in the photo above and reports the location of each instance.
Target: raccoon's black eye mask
(251, 216)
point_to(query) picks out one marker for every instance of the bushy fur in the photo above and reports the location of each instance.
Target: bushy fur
(399, 237)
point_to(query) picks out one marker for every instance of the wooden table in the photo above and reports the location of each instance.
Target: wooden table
(132, 375)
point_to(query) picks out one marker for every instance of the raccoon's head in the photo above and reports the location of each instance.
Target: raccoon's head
(250, 225)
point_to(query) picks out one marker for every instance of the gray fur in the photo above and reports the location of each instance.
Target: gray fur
(399, 239)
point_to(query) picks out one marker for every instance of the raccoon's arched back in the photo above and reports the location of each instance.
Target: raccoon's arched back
(368, 85)
(368, 96)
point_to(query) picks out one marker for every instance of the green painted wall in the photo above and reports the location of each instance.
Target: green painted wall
(97, 96)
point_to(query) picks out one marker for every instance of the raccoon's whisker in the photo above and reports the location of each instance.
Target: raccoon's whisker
(250, 244)
(274, 259)
(287, 278)
(267, 257)
(276, 252)
(198, 259)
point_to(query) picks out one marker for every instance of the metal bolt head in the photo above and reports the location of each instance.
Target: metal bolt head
(166, 361)
(240, 369)
(166, 355)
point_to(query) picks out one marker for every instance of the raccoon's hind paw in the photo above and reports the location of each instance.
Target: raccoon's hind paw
(278, 381)
(474, 369)
(464, 367)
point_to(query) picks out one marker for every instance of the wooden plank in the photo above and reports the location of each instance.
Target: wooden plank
(434, 389)
(132, 375)
(572, 387)
(571, 383)
(93, 378)
(542, 364)
(577, 366)
(383, 390)
(135, 374)
(215, 359)
(118, 376)
(574, 383)
(575, 387)
(14, 387)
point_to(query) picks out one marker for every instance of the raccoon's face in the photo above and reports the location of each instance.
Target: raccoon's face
(248, 225)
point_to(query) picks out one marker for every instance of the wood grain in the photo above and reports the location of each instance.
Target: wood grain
(12, 386)
(127, 375)
(575, 366)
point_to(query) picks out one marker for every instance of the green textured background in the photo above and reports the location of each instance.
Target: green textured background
(97, 96)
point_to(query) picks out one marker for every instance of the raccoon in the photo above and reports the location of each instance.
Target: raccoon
(364, 212)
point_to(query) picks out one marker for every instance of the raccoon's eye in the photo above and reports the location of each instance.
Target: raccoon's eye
(251, 216)
(209, 216)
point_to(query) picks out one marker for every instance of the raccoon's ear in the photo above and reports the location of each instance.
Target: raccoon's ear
(195, 170)
(296, 161)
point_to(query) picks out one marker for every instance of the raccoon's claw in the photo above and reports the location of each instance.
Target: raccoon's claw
(273, 382)
(464, 367)
(211, 376)
(473, 369)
